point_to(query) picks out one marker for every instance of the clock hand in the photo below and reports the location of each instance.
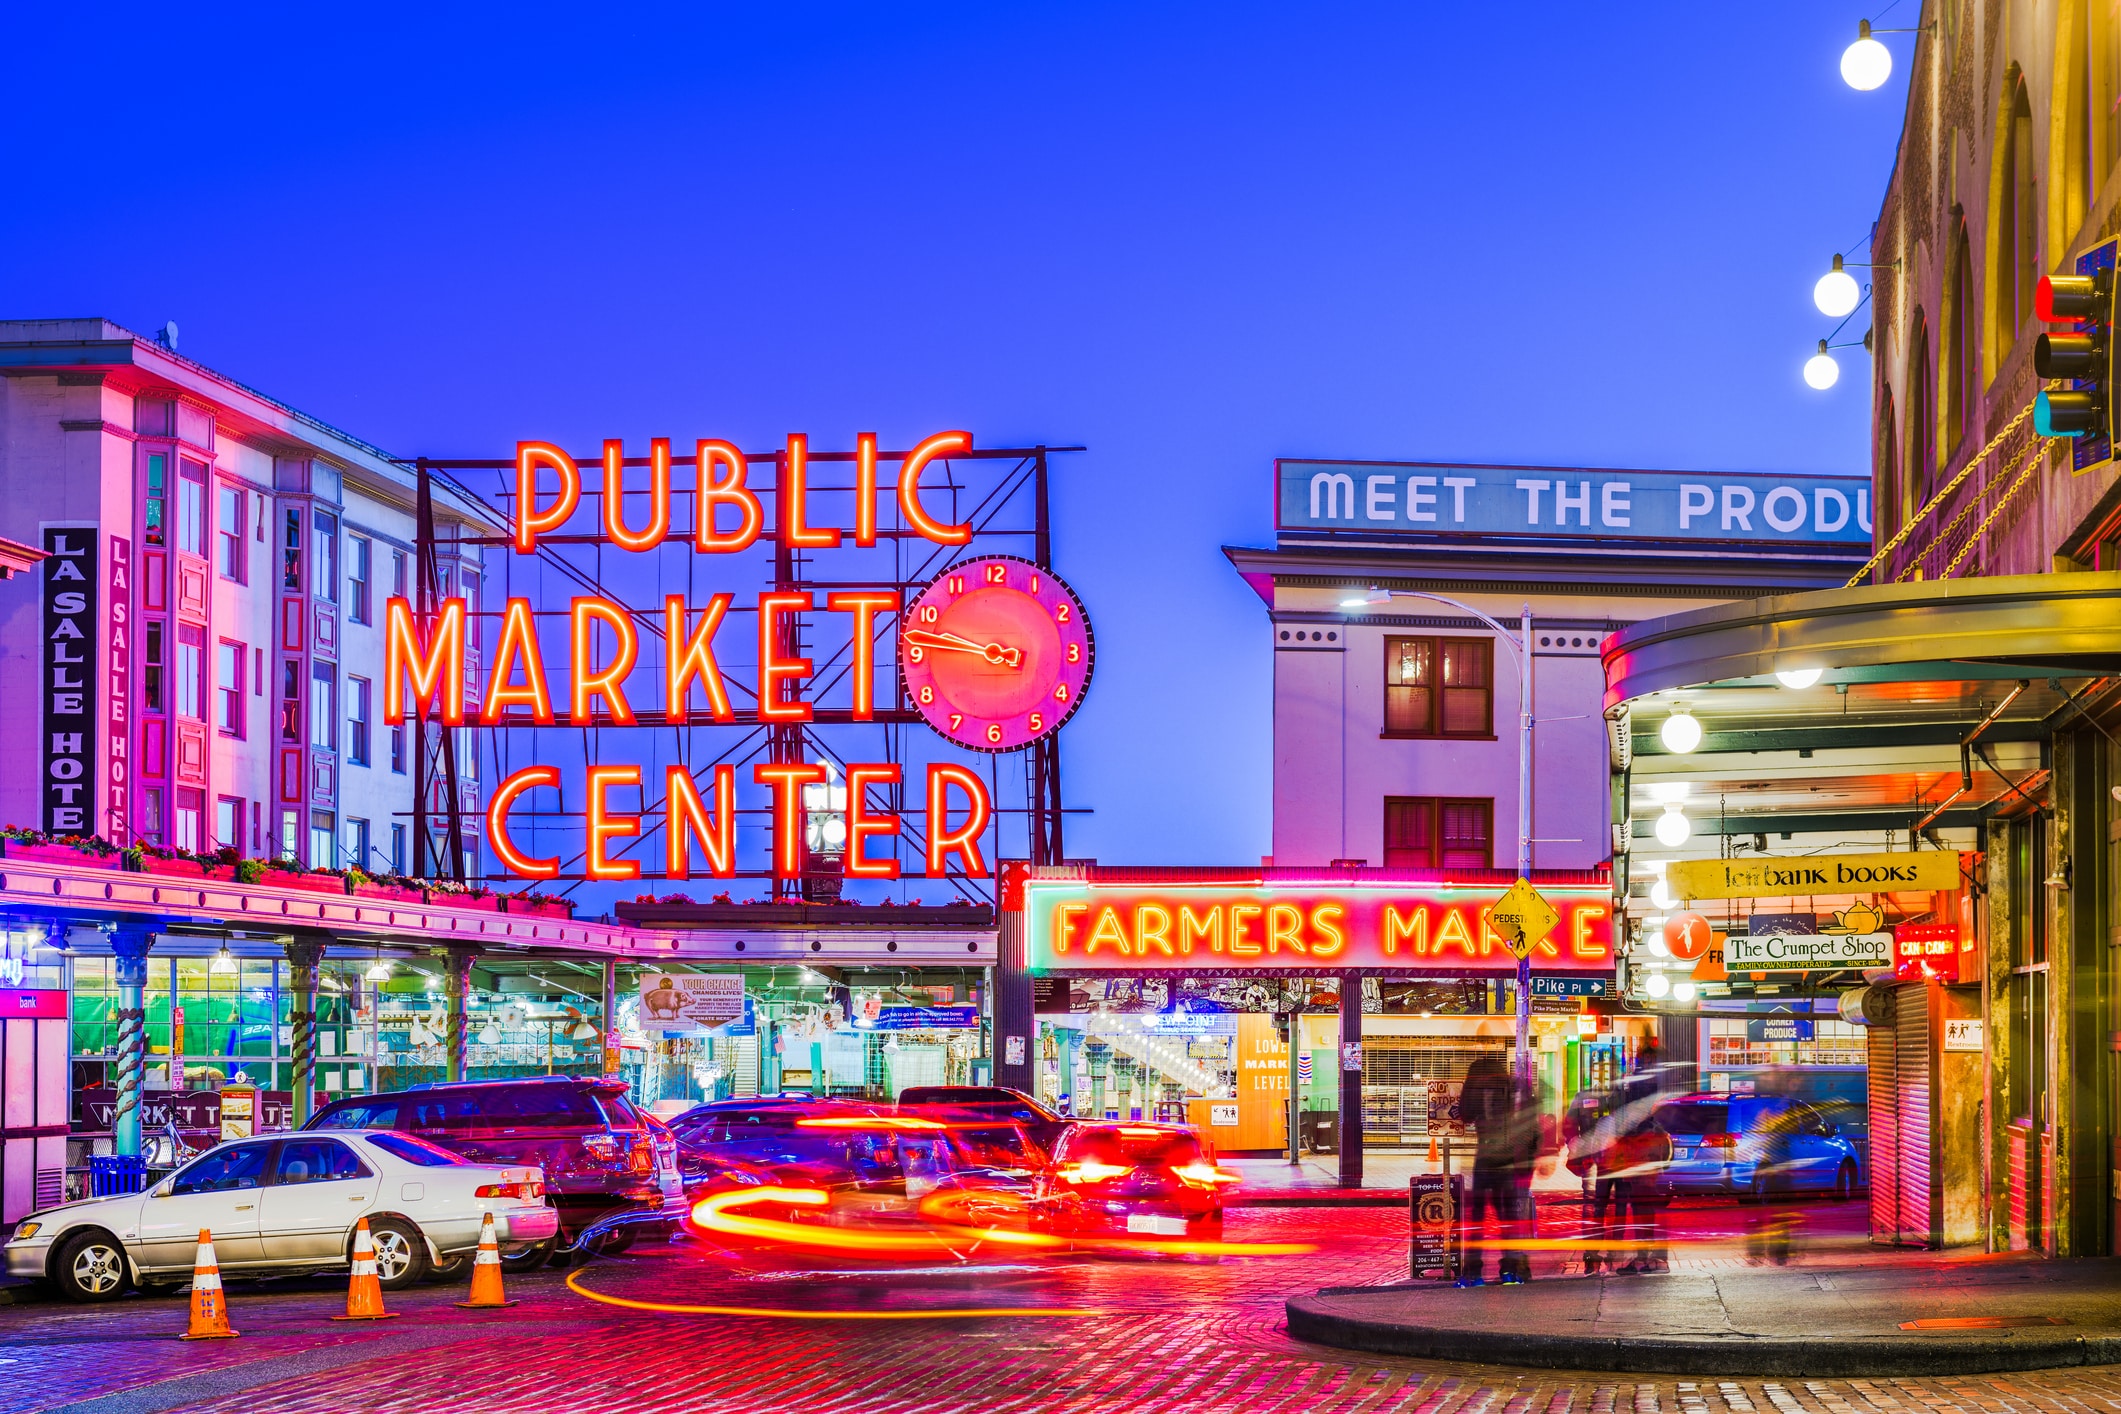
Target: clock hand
(952, 643)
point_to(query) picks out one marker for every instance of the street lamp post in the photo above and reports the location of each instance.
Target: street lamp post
(1522, 647)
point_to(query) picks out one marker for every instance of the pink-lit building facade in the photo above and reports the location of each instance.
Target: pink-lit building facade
(207, 646)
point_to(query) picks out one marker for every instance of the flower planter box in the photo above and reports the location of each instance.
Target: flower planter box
(307, 883)
(57, 854)
(182, 868)
(489, 904)
(557, 909)
(392, 892)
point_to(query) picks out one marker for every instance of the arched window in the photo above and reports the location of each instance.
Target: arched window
(1886, 489)
(1921, 421)
(1962, 383)
(2017, 251)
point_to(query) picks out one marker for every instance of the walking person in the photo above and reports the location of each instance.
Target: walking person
(1640, 1157)
(1505, 1118)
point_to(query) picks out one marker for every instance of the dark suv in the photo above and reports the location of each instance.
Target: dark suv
(599, 1153)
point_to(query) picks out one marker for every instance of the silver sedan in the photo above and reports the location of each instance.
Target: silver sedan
(287, 1203)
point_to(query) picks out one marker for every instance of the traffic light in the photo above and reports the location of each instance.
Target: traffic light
(2084, 355)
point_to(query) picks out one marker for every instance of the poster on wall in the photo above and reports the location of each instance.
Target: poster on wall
(686, 1001)
(67, 686)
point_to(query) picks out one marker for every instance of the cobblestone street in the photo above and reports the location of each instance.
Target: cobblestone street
(1191, 1336)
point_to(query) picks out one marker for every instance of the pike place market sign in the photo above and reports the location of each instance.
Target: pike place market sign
(1404, 928)
(1814, 874)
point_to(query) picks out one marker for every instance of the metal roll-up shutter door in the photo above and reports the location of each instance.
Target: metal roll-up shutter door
(1884, 1096)
(1912, 1083)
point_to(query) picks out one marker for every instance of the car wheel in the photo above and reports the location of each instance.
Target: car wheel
(452, 1269)
(1845, 1182)
(91, 1267)
(401, 1253)
(536, 1255)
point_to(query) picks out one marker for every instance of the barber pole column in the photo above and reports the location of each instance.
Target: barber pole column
(303, 957)
(1351, 1082)
(129, 946)
(457, 988)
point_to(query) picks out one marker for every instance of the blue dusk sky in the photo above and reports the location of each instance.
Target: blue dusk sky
(1193, 238)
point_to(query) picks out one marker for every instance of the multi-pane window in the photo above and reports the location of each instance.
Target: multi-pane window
(191, 677)
(228, 688)
(235, 564)
(357, 842)
(1439, 687)
(357, 709)
(397, 849)
(1432, 832)
(189, 804)
(360, 562)
(191, 506)
(323, 840)
(157, 499)
(290, 700)
(290, 826)
(400, 574)
(151, 677)
(291, 550)
(323, 706)
(324, 558)
(151, 814)
(228, 823)
(397, 750)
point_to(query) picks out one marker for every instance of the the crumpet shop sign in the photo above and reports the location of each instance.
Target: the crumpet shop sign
(1813, 874)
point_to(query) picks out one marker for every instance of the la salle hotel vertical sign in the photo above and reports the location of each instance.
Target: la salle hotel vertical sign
(67, 681)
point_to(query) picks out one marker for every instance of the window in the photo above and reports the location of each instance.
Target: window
(318, 1161)
(323, 840)
(228, 823)
(1962, 384)
(157, 530)
(366, 1114)
(1889, 491)
(290, 700)
(1921, 419)
(228, 687)
(324, 707)
(291, 551)
(222, 1170)
(191, 684)
(324, 558)
(415, 1151)
(1439, 687)
(357, 704)
(360, 559)
(151, 815)
(191, 506)
(151, 678)
(357, 836)
(189, 804)
(235, 564)
(1425, 832)
(397, 750)
(290, 828)
(2017, 255)
(400, 577)
(397, 849)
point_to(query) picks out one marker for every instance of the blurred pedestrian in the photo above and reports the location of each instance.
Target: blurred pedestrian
(1505, 1119)
(1640, 1157)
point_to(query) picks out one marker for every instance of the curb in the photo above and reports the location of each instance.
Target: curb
(1362, 1198)
(1857, 1357)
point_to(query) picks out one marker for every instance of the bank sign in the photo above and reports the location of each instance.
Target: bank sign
(1426, 498)
(1406, 929)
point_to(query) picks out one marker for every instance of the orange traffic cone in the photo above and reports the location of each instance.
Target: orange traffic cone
(364, 1296)
(209, 1304)
(1433, 1157)
(486, 1272)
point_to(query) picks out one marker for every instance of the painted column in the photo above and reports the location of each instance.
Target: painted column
(1350, 1082)
(1100, 1057)
(130, 946)
(1015, 1026)
(303, 956)
(457, 989)
(1064, 1095)
(610, 1019)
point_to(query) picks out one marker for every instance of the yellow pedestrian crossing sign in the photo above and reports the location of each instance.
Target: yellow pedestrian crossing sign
(1521, 918)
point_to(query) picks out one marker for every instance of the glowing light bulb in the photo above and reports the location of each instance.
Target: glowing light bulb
(1820, 370)
(1684, 991)
(1798, 679)
(1661, 895)
(1837, 292)
(1680, 733)
(1673, 828)
(1866, 64)
(1657, 984)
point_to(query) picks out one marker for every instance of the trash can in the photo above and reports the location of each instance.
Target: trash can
(111, 1174)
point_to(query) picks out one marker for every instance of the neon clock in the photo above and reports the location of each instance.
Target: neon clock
(995, 652)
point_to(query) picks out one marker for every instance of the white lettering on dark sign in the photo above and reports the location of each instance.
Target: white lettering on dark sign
(117, 681)
(67, 784)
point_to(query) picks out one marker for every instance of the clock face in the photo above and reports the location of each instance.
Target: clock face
(995, 652)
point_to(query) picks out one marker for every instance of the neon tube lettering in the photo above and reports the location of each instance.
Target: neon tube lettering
(865, 607)
(530, 521)
(519, 645)
(608, 682)
(775, 669)
(861, 825)
(658, 496)
(792, 491)
(942, 444)
(964, 840)
(711, 493)
(435, 667)
(689, 820)
(603, 825)
(787, 779)
(497, 835)
(688, 656)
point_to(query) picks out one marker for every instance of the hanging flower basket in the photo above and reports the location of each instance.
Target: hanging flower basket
(395, 893)
(538, 907)
(57, 854)
(307, 883)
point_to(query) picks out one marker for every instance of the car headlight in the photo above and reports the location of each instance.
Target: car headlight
(25, 1231)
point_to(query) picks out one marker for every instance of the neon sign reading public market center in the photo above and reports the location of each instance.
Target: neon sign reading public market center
(995, 654)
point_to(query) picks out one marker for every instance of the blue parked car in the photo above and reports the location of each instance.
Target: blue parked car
(1756, 1146)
